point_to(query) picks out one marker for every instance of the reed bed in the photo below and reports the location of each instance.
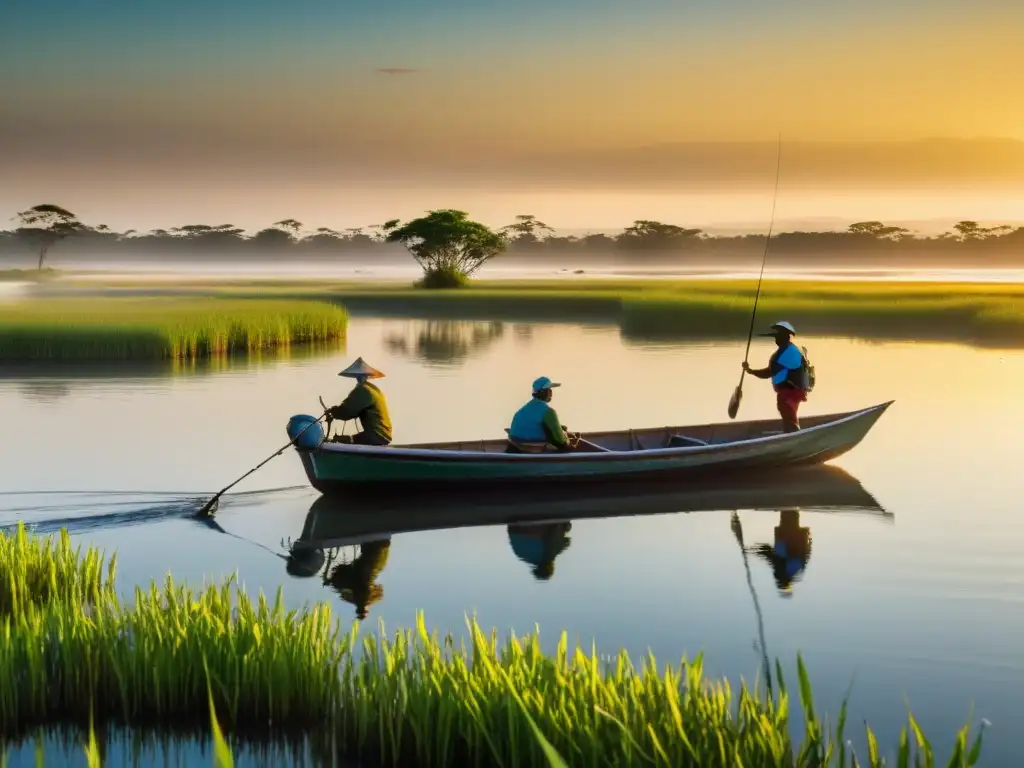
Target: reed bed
(36, 570)
(721, 308)
(175, 655)
(161, 328)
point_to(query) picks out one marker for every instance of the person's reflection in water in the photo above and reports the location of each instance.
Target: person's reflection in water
(791, 552)
(354, 581)
(539, 545)
(304, 561)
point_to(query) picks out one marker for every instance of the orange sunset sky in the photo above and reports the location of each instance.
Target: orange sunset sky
(143, 115)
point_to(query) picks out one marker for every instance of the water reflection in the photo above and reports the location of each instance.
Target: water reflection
(54, 380)
(789, 554)
(538, 545)
(119, 746)
(346, 540)
(444, 342)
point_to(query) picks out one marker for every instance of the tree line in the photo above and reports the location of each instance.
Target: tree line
(38, 230)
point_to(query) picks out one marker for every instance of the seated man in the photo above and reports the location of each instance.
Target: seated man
(365, 402)
(537, 422)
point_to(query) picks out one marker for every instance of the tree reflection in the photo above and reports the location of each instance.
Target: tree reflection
(444, 342)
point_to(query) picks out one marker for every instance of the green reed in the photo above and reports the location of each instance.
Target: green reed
(681, 309)
(161, 328)
(36, 570)
(175, 655)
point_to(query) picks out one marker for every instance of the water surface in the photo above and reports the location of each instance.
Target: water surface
(924, 604)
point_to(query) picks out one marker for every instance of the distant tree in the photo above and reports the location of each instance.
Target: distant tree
(878, 230)
(447, 245)
(289, 225)
(598, 242)
(523, 233)
(282, 234)
(655, 236)
(380, 234)
(202, 236)
(971, 230)
(323, 239)
(46, 225)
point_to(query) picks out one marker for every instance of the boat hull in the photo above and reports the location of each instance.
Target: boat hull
(336, 468)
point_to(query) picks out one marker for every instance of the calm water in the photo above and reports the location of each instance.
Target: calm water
(927, 604)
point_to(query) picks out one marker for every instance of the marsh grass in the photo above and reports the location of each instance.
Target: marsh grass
(680, 308)
(161, 328)
(180, 656)
(712, 309)
(36, 570)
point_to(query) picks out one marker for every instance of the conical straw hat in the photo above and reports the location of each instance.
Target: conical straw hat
(360, 368)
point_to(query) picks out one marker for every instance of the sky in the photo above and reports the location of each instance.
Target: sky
(141, 112)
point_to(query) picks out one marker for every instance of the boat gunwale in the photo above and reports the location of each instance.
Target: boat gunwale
(441, 454)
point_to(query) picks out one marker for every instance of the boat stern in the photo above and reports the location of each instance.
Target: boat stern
(306, 435)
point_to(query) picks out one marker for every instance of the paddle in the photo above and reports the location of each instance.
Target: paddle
(211, 506)
(594, 446)
(737, 395)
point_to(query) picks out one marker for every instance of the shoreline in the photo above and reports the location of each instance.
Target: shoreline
(645, 310)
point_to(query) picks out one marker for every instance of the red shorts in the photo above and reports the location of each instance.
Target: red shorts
(788, 400)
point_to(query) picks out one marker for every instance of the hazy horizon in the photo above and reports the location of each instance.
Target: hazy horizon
(589, 116)
(580, 212)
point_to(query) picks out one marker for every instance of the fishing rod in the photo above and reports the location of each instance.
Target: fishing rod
(737, 529)
(737, 395)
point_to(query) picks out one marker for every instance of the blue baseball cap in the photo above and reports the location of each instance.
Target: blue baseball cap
(543, 383)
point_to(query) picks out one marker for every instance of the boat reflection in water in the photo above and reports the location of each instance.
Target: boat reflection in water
(538, 521)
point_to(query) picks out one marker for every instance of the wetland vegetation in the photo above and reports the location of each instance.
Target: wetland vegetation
(159, 328)
(75, 652)
(663, 308)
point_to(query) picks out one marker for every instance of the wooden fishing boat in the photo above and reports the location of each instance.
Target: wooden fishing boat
(342, 519)
(703, 450)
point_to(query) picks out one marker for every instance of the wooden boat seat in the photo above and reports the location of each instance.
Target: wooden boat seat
(527, 446)
(538, 447)
(682, 441)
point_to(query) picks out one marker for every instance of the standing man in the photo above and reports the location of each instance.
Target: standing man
(786, 371)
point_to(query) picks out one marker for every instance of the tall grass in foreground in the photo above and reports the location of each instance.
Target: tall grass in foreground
(37, 570)
(176, 655)
(161, 328)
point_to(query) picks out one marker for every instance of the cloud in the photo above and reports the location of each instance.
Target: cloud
(398, 70)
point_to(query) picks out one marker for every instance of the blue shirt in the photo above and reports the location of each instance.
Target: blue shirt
(529, 422)
(784, 361)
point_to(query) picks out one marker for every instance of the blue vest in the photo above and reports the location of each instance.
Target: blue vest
(528, 423)
(785, 365)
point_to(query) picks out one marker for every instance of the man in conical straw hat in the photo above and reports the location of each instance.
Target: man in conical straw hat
(365, 402)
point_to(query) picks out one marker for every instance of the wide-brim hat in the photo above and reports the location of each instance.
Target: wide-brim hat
(782, 325)
(360, 368)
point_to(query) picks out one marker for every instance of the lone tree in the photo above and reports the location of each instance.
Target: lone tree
(447, 245)
(45, 225)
